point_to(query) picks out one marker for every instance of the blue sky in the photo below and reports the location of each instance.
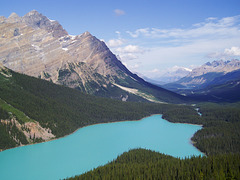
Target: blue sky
(150, 36)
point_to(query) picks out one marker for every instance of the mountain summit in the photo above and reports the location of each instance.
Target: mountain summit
(216, 67)
(37, 20)
(40, 47)
(216, 81)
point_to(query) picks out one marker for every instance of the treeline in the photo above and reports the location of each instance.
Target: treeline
(3, 114)
(146, 164)
(64, 110)
(221, 126)
(10, 136)
(221, 132)
(6, 141)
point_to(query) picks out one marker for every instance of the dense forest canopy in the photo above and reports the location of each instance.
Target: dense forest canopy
(64, 110)
(146, 164)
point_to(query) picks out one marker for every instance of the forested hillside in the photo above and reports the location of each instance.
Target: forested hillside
(146, 164)
(59, 110)
(219, 139)
(62, 110)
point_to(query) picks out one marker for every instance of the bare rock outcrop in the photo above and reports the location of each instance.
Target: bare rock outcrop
(31, 130)
(40, 47)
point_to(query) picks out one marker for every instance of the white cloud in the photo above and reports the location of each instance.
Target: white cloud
(159, 49)
(128, 56)
(118, 32)
(211, 19)
(130, 49)
(135, 66)
(129, 52)
(234, 51)
(157, 73)
(228, 53)
(211, 27)
(175, 68)
(138, 32)
(132, 67)
(115, 42)
(155, 70)
(119, 12)
(124, 52)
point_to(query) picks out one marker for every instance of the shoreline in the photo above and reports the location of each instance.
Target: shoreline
(191, 142)
(186, 123)
(1, 150)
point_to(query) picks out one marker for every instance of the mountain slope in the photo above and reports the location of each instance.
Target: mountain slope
(34, 110)
(40, 47)
(216, 81)
(205, 75)
(170, 75)
(224, 88)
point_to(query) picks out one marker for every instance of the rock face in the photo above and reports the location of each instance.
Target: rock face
(31, 130)
(37, 20)
(208, 72)
(40, 47)
(216, 66)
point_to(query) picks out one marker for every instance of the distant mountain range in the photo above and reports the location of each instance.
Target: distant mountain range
(218, 80)
(207, 72)
(170, 75)
(40, 47)
(224, 88)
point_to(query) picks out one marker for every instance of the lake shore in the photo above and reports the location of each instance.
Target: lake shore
(191, 142)
(98, 145)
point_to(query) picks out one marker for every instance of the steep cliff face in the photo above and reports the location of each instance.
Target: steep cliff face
(40, 47)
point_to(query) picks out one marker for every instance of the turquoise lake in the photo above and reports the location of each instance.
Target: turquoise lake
(96, 145)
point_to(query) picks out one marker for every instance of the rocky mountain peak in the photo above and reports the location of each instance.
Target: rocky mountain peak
(2, 19)
(13, 18)
(86, 34)
(13, 15)
(40, 47)
(33, 13)
(218, 63)
(234, 63)
(216, 66)
(172, 74)
(37, 20)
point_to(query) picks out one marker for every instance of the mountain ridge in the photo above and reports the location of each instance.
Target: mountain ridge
(170, 75)
(216, 81)
(40, 47)
(203, 75)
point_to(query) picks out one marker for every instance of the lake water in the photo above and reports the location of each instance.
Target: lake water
(96, 145)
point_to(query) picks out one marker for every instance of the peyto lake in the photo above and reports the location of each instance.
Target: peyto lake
(96, 145)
